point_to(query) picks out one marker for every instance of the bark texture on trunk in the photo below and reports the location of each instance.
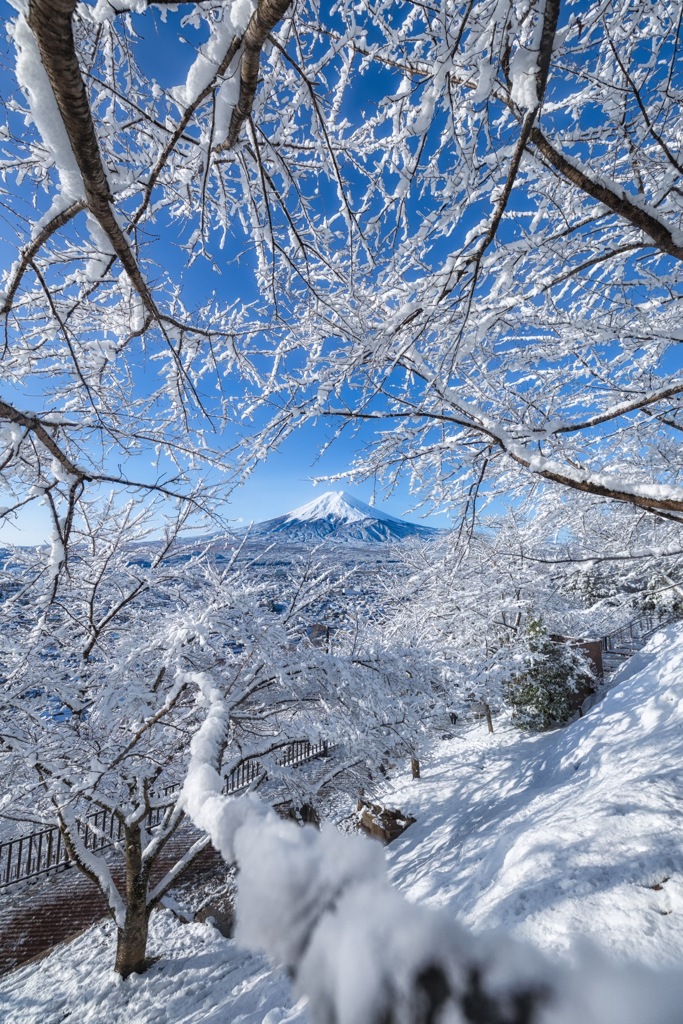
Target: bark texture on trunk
(131, 944)
(262, 22)
(51, 24)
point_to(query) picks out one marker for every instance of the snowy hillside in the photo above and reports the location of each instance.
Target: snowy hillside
(572, 835)
(569, 835)
(340, 517)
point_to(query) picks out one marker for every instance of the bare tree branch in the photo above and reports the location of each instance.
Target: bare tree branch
(30, 251)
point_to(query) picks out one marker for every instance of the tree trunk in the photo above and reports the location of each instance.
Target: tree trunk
(51, 24)
(489, 721)
(131, 945)
(262, 22)
(415, 767)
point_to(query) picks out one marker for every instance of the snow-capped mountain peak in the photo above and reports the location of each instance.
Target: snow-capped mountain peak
(340, 516)
(340, 506)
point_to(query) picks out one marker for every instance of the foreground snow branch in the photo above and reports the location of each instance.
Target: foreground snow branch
(320, 904)
(264, 19)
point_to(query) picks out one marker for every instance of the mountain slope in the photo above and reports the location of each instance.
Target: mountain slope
(340, 517)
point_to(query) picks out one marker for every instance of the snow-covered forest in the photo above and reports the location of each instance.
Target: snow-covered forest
(453, 232)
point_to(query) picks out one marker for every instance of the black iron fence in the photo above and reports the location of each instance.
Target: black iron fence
(45, 851)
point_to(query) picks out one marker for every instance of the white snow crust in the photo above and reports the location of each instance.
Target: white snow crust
(231, 23)
(201, 977)
(32, 78)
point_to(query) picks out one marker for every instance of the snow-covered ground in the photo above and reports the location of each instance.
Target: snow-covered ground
(568, 835)
(557, 838)
(201, 977)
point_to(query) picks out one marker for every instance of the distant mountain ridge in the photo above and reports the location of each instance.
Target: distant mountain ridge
(338, 516)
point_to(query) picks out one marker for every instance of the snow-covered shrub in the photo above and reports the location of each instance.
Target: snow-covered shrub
(544, 695)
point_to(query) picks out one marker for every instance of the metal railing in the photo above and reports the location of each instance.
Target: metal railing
(42, 852)
(623, 642)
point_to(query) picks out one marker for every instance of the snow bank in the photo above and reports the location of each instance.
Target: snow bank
(567, 836)
(520, 838)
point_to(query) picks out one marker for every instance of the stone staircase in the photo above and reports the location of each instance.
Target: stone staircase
(61, 906)
(47, 901)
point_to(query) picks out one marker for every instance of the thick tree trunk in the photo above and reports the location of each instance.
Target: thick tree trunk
(51, 23)
(131, 946)
(131, 943)
(264, 19)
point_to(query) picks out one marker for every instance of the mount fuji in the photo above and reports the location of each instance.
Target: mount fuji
(339, 517)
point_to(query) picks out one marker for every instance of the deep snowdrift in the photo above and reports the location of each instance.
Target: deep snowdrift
(577, 833)
(555, 838)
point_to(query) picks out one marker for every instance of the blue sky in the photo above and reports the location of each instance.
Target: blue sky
(283, 483)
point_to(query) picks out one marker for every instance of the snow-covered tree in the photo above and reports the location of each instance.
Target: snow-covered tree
(469, 602)
(106, 679)
(461, 223)
(470, 599)
(543, 694)
(518, 321)
(481, 258)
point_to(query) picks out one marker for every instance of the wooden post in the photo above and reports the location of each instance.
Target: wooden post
(415, 767)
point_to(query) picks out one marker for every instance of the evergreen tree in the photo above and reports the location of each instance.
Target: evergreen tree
(545, 694)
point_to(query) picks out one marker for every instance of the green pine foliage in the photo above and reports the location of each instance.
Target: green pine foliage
(544, 695)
